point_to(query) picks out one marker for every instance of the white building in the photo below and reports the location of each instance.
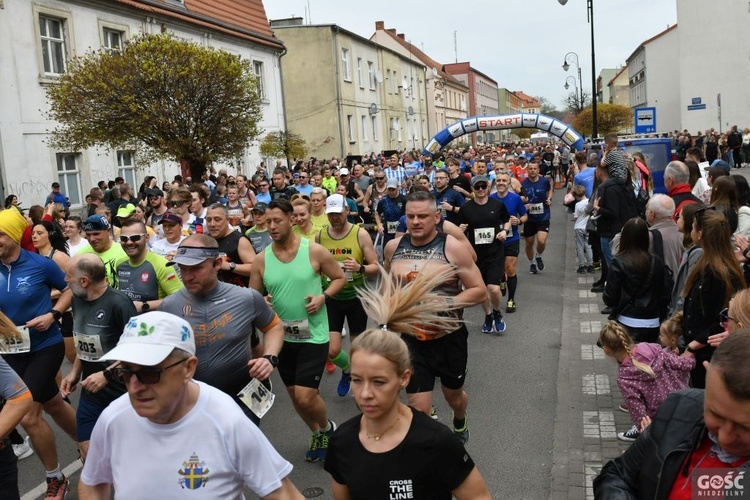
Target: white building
(37, 39)
(654, 76)
(714, 47)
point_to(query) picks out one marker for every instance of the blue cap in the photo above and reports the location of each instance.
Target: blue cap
(96, 223)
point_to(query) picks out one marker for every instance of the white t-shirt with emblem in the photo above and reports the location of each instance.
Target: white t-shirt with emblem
(212, 452)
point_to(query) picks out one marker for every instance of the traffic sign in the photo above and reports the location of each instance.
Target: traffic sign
(645, 120)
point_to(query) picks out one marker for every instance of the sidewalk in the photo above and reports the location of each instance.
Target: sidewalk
(587, 419)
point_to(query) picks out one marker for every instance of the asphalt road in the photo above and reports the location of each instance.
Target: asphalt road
(512, 387)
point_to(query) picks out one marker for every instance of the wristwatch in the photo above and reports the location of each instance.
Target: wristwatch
(690, 349)
(361, 269)
(272, 359)
(232, 266)
(56, 314)
(145, 307)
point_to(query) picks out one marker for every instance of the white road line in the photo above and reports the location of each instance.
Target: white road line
(590, 470)
(591, 326)
(590, 352)
(582, 280)
(595, 384)
(599, 425)
(37, 492)
(586, 294)
(588, 308)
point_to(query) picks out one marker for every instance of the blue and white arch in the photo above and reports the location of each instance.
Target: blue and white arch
(503, 122)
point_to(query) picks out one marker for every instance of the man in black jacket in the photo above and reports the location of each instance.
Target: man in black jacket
(699, 442)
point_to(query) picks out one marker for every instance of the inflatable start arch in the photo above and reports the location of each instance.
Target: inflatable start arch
(503, 122)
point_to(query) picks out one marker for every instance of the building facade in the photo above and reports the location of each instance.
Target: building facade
(619, 88)
(347, 95)
(483, 96)
(38, 39)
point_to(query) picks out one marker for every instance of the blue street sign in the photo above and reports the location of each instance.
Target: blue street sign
(645, 120)
(694, 107)
(696, 100)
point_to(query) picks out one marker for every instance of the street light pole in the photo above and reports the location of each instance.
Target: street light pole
(579, 98)
(590, 19)
(574, 58)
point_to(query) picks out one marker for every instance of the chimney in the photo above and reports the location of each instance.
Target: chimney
(379, 25)
(401, 36)
(392, 31)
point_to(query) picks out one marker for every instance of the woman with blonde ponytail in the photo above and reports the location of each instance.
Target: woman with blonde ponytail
(646, 374)
(392, 447)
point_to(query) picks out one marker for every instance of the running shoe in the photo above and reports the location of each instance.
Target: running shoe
(511, 307)
(57, 488)
(597, 266)
(532, 269)
(325, 437)
(581, 270)
(345, 384)
(311, 455)
(463, 433)
(590, 269)
(433, 413)
(539, 262)
(488, 326)
(23, 450)
(330, 367)
(499, 321)
(630, 435)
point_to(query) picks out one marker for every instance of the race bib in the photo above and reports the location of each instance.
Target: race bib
(484, 235)
(88, 347)
(257, 397)
(392, 226)
(19, 343)
(536, 208)
(296, 329)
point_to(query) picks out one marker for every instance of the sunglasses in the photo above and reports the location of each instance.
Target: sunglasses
(135, 238)
(379, 178)
(263, 185)
(175, 204)
(147, 376)
(480, 185)
(724, 316)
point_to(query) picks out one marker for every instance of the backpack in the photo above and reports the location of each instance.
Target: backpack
(666, 299)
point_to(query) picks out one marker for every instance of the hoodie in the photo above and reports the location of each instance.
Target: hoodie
(642, 393)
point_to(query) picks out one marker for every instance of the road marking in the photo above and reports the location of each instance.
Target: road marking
(588, 308)
(41, 489)
(595, 384)
(586, 294)
(582, 280)
(599, 425)
(590, 471)
(590, 352)
(591, 326)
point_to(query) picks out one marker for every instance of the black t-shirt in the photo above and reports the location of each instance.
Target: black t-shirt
(429, 463)
(97, 326)
(229, 245)
(460, 181)
(484, 221)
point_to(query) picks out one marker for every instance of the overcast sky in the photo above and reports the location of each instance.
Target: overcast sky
(521, 44)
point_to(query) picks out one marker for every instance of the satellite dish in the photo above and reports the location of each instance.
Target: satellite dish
(379, 77)
(434, 72)
(411, 111)
(373, 109)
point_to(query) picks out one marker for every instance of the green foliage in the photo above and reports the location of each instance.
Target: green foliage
(281, 144)
(163, 97)
(610, 118)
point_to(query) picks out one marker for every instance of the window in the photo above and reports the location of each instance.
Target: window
(258, 72)
(394, 82)
(374, 129)
(350, 127)
(126, 166)
(112, 40)
(345, 65)
(363, 119)
(371, 74)
(359, 73)
(69, 176)
(388, 83)
(52, 34)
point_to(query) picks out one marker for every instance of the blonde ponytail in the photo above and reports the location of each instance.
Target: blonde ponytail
(615, 337)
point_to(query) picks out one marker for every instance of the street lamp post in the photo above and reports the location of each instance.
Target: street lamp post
(574, 59)
(579, 99)
(590, 19)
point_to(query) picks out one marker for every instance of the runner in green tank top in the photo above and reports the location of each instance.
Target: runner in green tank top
(290, 269)
(352, 247)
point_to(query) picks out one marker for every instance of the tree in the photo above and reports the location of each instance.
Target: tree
(573, 102)
(611, 118)
(283, 144)
(547, 108)
(164, 98)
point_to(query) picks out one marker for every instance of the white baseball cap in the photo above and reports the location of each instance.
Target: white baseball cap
(335, 204)
(149, 338)
(344, 171)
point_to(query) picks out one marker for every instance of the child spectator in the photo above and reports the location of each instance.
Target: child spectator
(581, 218)
(646, 374)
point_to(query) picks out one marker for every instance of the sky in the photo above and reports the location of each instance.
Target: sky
(521, 44)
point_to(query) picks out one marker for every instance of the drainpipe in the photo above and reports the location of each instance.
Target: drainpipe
(338, 87)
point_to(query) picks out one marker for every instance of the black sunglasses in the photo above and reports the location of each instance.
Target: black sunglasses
(134, 238)
(379, 178)
(174, 204)
(148, 376)
(480, 185)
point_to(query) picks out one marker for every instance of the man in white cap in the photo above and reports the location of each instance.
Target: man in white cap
(202, 440)
(354, 252)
